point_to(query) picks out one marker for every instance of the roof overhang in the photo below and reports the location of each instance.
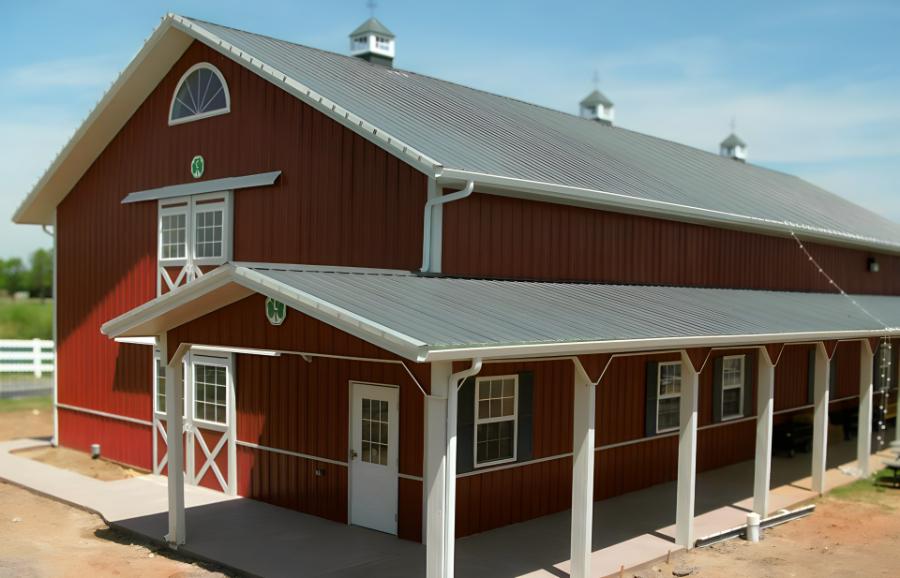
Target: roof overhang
(233, 282)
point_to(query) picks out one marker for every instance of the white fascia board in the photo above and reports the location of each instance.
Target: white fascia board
(114, 109)
(126, 324)
(579, 196)
(145, 340)
(319, 102)
(637, 345)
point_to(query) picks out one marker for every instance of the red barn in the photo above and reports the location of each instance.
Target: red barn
(384, 297)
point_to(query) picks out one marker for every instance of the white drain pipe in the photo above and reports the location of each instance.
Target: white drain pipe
(428, 221)
(456, 381)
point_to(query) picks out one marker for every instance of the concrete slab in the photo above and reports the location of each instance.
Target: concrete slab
(267, 540)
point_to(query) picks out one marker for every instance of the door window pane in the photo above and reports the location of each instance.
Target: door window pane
(374, 431)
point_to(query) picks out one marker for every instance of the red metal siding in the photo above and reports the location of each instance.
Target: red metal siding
(503, 237)
(290, 404)
(121, 441)
(846, 369)
(340, 200)
(791, 377)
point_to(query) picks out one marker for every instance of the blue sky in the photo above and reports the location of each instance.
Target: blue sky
(813, 85)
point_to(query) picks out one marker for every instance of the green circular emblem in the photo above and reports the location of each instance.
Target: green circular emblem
(276, 311)
(198, 165)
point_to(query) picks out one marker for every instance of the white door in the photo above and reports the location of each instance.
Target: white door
(373, 456)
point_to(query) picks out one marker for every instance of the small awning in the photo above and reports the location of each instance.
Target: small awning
(200, 187)
(426, 318)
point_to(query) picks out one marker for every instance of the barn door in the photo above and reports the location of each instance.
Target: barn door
(209, 423)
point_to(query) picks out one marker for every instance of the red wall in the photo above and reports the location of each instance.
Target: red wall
(340, 201)
(503, 237)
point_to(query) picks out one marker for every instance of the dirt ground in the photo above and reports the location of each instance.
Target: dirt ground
(80, 462)
(853, 532)
(42, 537)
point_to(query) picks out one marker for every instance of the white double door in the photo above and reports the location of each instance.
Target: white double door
(374, 456)
(209, 423)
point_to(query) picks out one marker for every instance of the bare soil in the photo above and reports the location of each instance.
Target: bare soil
(847, 535)
(28, 423)
(42, 537)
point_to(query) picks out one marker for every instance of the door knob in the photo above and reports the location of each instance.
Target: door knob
(353, 454)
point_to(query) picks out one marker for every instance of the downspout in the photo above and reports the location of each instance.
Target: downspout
(55, 440)
(456, 380)
(433, 202)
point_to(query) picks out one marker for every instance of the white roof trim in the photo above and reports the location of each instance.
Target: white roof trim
(200, 187)
(174, 34)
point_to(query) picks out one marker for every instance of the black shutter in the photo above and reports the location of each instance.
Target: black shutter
(717, 390)
(525, 410)
(749, 364)
(652, 393)
(811, 376)
(832, 376)
(465, 427)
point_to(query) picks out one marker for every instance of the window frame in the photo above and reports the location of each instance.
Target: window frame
(478, 421)
(227, 362)
(161, 412)
(742, 410)
(189, 206)
(659, 396)
(202, 115)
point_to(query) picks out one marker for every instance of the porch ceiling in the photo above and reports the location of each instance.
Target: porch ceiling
(438, 318)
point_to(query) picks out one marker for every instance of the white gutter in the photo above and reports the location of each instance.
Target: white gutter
(433, 202)
(454, 384)
(566, 349)
(550, 192)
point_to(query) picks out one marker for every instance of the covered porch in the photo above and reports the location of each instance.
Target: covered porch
(459, 326)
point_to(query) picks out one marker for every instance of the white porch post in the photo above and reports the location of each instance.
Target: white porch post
(864, 422)
(435, 469)
(765, 404)
(687, 454)
(820, 419)
(174, 427)
(582, 474)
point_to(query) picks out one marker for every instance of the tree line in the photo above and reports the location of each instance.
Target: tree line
(34, 276)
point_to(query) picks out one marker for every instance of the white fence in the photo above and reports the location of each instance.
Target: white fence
(26, 356)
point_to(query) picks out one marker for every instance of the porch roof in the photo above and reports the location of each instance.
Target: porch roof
(427, 318)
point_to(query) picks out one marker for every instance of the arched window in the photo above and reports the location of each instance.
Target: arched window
(201, 93)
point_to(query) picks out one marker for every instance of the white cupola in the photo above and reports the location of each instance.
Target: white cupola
(734, 148)
(597, 107)
(372, 41)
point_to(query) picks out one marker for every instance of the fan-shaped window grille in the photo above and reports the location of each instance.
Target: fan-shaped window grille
(201, 93)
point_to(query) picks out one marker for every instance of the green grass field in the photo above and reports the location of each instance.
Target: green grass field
(26, 404)
(26, 319)
(870, 490)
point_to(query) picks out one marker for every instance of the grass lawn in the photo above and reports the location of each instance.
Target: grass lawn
(26, 319)
(26, 404)
(869, 491)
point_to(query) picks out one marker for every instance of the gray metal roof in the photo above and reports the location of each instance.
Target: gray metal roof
(372, 25)
(476, 131)
(422, 317)
(595, 98)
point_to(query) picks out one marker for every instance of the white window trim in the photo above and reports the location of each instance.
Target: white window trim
(741, 413)
(161, 412)
(228, 363)
(514, 418)
(189, 206)
(659, 396)
(202, 115)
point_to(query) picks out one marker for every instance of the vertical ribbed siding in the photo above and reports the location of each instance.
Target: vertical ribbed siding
(502, 237)
(340, 201)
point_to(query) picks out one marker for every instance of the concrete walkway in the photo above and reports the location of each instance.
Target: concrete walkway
(267, 540)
